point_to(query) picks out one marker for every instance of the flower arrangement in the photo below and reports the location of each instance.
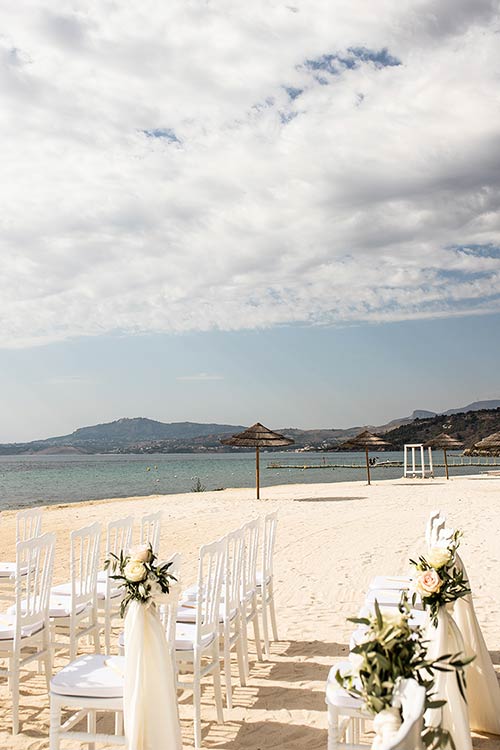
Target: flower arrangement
(392, 650)
(142, 579)
(439, 580)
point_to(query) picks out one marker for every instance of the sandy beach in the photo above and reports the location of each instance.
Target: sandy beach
(332, 539)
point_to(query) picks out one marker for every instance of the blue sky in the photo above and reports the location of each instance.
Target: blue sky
(191, 188)
(284, 377)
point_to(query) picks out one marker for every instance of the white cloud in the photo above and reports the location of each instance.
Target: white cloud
(349, 202)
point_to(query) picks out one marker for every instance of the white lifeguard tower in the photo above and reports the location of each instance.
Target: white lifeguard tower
(416, 466)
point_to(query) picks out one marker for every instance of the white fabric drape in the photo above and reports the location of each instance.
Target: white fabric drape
(149, 696)
(454, 715)
(483, 691)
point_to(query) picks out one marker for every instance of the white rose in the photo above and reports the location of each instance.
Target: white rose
(135, 571)
(438, 557)
(356, 661)
(141, 553)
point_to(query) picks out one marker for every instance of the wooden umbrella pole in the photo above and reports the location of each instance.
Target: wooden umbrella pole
(367, 465)
(257, 472)
(446, 463)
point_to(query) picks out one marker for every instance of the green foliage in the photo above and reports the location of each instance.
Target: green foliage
(198, 486)
(156, 580)
(392, 650)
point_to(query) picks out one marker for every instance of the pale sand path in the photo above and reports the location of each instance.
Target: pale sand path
(332, 538)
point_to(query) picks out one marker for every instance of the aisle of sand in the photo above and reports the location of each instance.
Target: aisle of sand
(332, 539)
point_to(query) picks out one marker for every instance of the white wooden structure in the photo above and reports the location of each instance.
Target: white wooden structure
(415, 463)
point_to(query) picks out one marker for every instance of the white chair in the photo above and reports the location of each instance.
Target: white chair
(248, 596)
(25, 631)
(90, 684)
(109, 592)
(150, 530)
(28, 526)
(346, 716)
(73, 605)
(265, 580)
(197, 643)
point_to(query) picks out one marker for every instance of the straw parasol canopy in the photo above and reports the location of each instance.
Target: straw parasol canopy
(364, 441)
(257, 436)
(445, 443)
(490, 443)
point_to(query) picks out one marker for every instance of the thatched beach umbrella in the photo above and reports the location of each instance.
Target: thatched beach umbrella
(445, 443)
(257, 436)
(367, 441)
(489, 444)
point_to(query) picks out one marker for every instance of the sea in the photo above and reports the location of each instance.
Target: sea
(48, 479)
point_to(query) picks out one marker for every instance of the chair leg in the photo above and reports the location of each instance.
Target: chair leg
(119, 723)
(14, 670)
(255, 621)
(55, 723)
(244, 645)
(265, 627)
(272, 611)
(227, 666)
(240, 654)
(217, 686)
(197, 702)
(91, 727)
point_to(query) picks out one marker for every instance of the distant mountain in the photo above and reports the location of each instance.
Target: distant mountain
(476, 406)
(141, 435)
(467, 426)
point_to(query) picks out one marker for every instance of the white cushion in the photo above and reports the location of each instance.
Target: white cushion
(114, 591)
(8, 627)
(185, 636)
(8, 569)
(336, 695)
(418, 617)
(389, 598)
(390, 582)
(60, 606)
(93, 675)
(188, 614)
(259, 578)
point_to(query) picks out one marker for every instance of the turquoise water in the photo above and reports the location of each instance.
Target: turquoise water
(29, 480)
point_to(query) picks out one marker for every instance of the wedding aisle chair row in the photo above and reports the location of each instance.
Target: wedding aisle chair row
(66, 613)
(449, 625)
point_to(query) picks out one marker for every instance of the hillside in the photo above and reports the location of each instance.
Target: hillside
(468, 427)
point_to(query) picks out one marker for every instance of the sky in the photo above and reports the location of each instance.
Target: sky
(229, 211)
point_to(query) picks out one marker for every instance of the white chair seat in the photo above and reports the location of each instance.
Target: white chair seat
(397, 583)
(259, 578)
(185, 635)
(389, 598)
(93, 675)
(64, 589)
(102, 575)
(188, 614)
(8, 569)
(8, 628)
(337, 696)
(60, 606)
(418, 617)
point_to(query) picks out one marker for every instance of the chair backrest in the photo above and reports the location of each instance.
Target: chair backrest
(210, 577)
(168, 614)
(235, 543)
(34, 569)
(250, 553)
(150, 530)
(175, 568)
(84, 563)
(409, 696)
(28, 524)
(269, 538)
(119, 535)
